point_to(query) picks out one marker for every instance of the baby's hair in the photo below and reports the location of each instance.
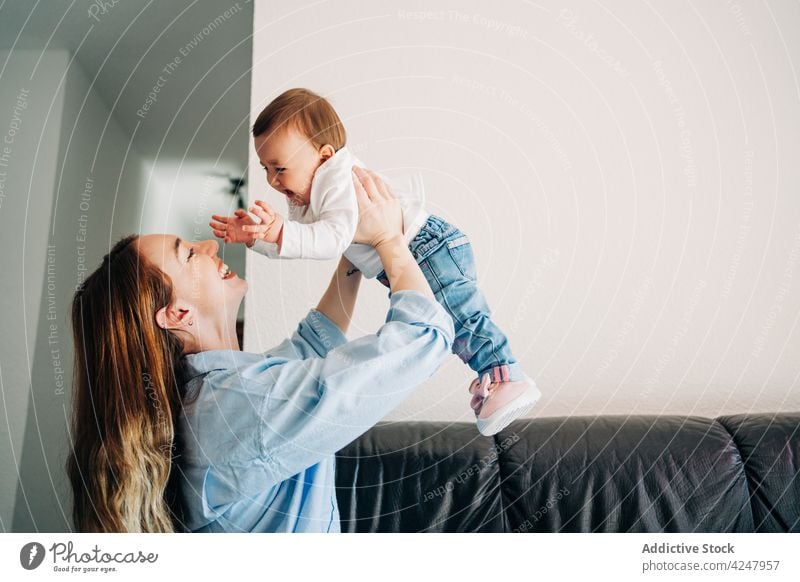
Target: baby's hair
(312, 115)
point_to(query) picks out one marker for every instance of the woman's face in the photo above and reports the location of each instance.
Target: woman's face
(200, 279)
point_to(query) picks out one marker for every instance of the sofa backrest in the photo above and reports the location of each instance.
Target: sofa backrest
(575, 474)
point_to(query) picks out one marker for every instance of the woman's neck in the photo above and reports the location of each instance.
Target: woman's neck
(213, 335)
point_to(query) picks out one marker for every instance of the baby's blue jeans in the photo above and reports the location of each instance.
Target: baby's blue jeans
(445, 256)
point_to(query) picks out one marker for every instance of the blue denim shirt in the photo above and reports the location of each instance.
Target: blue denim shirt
(259, 442)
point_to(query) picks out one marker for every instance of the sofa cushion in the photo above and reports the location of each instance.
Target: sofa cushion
(419, 476)
(769, 446)
(624, 474)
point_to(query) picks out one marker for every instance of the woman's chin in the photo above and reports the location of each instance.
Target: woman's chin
(244, 286)
(235, 283)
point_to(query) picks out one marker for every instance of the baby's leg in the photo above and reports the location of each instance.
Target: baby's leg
(445, 256)
(479, 341)
(501, 392)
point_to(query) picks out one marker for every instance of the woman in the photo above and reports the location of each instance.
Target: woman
(175, 428)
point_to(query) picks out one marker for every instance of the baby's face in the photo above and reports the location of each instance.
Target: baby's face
(290, 160)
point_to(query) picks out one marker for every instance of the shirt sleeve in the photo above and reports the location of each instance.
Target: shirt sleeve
(317, 406)
(315, 336)
(327, 237)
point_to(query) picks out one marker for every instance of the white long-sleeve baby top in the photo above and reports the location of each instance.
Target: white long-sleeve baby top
(325, 228)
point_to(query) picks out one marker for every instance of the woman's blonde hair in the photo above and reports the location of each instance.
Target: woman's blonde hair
(127, 392)
(313, 116)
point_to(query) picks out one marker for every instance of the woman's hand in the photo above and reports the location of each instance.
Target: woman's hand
(380, 224)
(380, 217)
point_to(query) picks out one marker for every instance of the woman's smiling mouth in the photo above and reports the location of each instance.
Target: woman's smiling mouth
(225, 271)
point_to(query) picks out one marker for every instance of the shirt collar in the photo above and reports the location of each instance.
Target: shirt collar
(204, 362)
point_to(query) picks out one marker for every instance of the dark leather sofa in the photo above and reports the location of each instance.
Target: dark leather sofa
(579, 474)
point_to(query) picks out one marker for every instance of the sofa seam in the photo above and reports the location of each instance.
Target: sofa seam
(745, 472)
(503, 509)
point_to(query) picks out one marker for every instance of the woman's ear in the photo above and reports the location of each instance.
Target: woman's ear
(326, 152)
(174, 317)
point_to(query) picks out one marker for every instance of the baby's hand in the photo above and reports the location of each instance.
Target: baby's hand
(241, 228)
(231, 228)
(271, 227)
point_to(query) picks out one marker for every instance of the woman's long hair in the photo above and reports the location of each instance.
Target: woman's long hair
(127, 392)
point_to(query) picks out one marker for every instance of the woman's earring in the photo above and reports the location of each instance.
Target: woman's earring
(191, 323)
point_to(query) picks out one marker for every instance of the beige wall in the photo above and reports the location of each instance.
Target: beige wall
(627, 174)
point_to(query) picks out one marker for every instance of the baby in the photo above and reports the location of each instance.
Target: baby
(301, 143)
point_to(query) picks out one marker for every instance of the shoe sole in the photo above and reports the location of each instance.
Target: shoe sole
(502, 418)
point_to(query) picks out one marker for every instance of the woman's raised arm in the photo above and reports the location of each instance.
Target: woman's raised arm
(317, 406)
(339, 298)
(380, 224)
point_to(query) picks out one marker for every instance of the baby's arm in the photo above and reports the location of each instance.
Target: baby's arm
(336, 212)
(327, 238)
(334, 207)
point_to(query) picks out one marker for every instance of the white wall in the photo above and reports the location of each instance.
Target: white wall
(627, 173)
(31, 104)
(74, 172)
(86, 194)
